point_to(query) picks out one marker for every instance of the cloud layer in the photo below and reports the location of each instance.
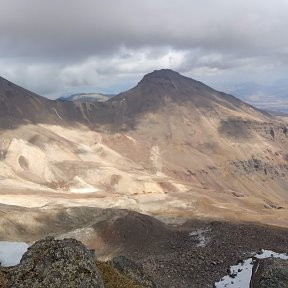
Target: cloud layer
(68, 45)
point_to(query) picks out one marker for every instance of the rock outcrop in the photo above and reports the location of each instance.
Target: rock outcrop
(68, 263)
(56, 263)
(271, 273)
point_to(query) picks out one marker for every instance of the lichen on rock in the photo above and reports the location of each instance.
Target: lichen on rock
(56, 263)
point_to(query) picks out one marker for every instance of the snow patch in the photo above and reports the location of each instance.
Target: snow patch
(268, 253)
(80, 186)
(201, 235)
(240, 274)
(12, 252)
(84, 190)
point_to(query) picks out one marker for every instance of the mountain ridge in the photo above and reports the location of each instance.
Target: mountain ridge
(160, 87)
(152, 93)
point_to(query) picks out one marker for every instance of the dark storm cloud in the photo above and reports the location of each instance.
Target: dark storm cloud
(80, 28)
(93, 42)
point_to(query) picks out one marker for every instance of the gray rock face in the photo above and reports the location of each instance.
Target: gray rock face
(271, 273)
(56, 263)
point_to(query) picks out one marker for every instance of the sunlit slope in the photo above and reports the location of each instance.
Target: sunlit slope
(169, 146)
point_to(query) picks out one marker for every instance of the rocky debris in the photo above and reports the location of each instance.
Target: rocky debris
(179, 262)
(250, 165)
(242, 128)
(133, 271)
(3, 276)
(173, 260)
(236, 128)
(271, 131)
(56, 263)
(254, 165)
(68, 263)
(270, 273)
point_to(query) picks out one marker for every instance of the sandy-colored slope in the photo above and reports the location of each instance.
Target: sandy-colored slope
(169, 146)
(160, 169)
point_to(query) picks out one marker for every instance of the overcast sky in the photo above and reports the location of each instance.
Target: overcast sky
(62, 46)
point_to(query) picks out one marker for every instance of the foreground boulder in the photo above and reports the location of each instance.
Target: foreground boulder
(56, 263)
(271, 273)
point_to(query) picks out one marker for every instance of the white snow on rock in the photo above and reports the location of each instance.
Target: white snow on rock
(240, 274)
(268, 253)
(80, 186)
(202, 236)
(11, 252)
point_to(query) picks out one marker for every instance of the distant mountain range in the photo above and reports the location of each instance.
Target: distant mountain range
(88, 97)
(151, 94)
(271, 96)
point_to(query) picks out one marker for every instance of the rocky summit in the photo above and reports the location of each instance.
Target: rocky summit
(56, 263)
(68, 263)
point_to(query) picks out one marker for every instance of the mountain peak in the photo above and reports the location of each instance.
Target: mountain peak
(168, 79)
(162, 73)
(167, 75)
(160, 87)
